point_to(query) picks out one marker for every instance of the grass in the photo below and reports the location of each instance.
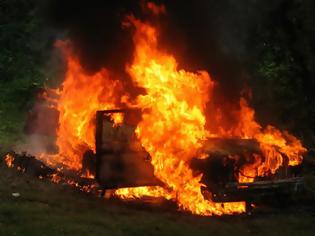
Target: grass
(48, 209)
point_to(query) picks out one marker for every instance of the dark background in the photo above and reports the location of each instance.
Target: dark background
(267, 46)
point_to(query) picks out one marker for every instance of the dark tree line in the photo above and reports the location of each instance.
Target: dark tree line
(23, 50)
(282, 62)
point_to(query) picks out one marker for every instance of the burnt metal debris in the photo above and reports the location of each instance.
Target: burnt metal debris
(122, 162)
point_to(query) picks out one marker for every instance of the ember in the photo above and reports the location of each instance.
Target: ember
(30, 165)
(9, 160)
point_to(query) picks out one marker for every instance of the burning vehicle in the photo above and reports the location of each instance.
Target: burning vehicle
(167, 142)
(121, 162)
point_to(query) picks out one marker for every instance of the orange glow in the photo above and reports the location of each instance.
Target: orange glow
(9, 160)
(155, 9)
(146, 191)
(117, 118)
(88, 175)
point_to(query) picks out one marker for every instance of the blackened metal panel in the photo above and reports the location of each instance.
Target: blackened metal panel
(120, 159)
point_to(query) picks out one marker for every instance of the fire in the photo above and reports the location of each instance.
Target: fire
(173, 125)
(117, 118)
(81, 95)
(172, 129)
(276, 146)
(9, 159)
(146, 191)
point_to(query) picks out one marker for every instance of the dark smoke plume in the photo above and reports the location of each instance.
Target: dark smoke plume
(204, 34)
(94, 27)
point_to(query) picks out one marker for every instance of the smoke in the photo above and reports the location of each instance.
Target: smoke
(40, 127)
(213, 35)
(204, 34)
(94, 27)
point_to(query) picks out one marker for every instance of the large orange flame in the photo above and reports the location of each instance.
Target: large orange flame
(172, 129)
(81, 95)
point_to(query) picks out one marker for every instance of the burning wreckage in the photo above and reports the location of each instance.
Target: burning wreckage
(167, 142)
(121, 162)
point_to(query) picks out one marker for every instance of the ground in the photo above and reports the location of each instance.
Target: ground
(44, 208)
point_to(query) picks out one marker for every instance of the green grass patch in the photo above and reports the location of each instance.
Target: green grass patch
(49, 209)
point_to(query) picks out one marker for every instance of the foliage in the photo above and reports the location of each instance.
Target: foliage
(283, 64)
(23, 48)
(49, 209)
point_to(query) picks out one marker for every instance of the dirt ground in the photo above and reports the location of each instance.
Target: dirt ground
(44, 208)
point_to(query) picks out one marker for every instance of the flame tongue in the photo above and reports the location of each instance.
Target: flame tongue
(81, 96)
(173, 125)
(276, 146)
